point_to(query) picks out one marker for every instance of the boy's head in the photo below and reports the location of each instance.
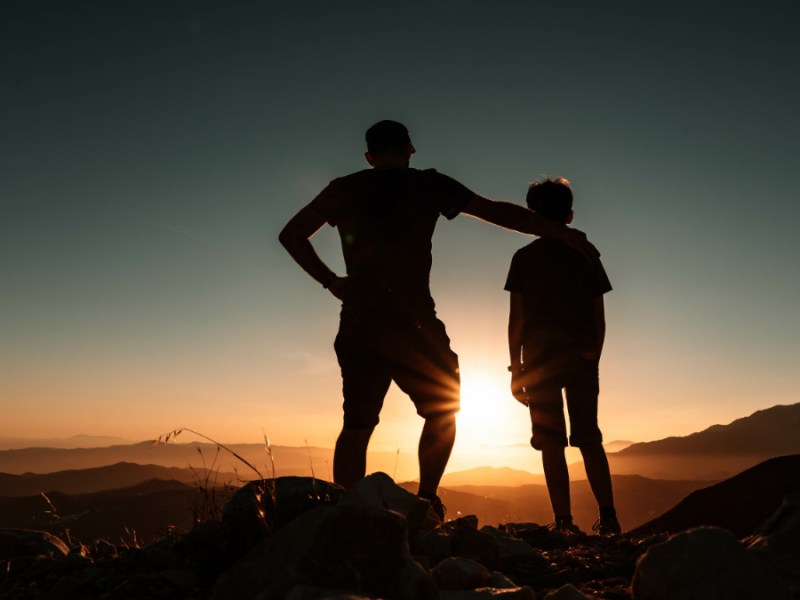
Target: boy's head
(388, 137)
(551, 198)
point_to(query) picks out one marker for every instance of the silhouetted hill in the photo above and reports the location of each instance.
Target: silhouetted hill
(718, 452)
(147, 511)
(740, 503)
(84, 481)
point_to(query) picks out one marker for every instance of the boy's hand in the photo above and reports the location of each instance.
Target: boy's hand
(518, 387)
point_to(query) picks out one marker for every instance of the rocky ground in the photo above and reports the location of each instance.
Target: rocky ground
(304, 539)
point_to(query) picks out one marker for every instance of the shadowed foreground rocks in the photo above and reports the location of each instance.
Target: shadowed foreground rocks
(304, 539)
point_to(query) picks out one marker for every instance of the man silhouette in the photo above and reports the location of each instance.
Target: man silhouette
(388, 329)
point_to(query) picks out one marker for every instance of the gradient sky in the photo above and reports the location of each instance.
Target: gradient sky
(151, 151)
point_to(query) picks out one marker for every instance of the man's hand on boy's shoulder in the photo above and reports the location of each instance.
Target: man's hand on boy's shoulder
(576, 239)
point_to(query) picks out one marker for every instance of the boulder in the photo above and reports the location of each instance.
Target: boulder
(305, 592)
(262, 506)
(568, 592)
(456, 573)
(359, 550)
(435, 546)
(501, 581)
(16, 543)
(705, 563)
(511, 549)
(379, 490)
(517, 593)
(777, 542)
(468, 542)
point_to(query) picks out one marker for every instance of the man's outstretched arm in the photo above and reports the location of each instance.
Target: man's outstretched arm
(296, 236)
(517, 218)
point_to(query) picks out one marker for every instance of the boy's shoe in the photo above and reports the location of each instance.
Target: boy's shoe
(566, 527)
(607, 526)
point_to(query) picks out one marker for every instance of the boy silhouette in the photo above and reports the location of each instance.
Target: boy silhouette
(556, 330)
(388, 329)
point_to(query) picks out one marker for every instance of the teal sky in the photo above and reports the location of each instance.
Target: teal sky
(152, 151)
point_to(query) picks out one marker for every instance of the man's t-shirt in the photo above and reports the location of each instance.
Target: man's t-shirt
(386, 219)
(558, 286)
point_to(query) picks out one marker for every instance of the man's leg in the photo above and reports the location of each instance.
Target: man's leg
(350, 456)
(435, 444)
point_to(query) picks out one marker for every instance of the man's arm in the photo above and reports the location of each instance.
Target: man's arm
(295, 237)
(515, 330)
(517, 218)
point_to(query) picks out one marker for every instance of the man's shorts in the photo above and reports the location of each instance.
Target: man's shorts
(411, 350)
(581, 388)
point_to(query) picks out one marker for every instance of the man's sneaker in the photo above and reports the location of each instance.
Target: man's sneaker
(437, 507)
(607, 526)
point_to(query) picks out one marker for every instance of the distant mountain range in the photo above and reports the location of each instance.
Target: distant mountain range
(75, 441)
(714, 454)
(718, 452)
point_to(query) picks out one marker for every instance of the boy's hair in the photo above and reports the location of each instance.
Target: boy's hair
(387, 136)
(551, 198)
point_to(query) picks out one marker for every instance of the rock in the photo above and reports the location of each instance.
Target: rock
(379, 490)
(703, 564)
(433, 545)
(260, 507)
(568, 592)
(458, 573)
(777, 542)
(304, 592)
(16, 543)
(499, 580)
(468, 542)
(519, 593)
(512, 549)
(360, 550)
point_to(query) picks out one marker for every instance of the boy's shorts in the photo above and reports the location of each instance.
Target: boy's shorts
(413, 351)
(581, 388)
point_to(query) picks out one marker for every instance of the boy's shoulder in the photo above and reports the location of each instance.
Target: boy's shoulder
(541, 247)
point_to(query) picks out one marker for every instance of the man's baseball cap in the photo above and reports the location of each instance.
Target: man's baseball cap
(387, 135)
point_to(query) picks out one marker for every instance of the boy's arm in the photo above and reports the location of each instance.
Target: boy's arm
(515, 217)
(599, 320)
(515, 329)
(295, 237)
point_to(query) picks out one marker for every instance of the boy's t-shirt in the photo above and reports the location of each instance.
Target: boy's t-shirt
(558, 286)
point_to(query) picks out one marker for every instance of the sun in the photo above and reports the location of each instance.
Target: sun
(487, 406)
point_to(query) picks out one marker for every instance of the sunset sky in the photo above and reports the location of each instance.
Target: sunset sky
(151, 151)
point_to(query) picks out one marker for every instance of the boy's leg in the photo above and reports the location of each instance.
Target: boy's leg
(556, 475)
(582, 393)
(549, 430)
(598, 474)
